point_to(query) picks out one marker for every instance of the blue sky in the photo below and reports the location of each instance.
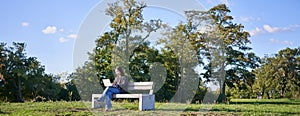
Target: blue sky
(50, 28)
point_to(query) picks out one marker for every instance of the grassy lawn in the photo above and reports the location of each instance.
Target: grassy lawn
(235, 107)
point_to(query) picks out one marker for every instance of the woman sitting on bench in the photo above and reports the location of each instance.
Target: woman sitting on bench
(118, 86)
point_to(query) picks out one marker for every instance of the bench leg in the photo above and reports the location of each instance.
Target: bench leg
(96, 104)
(146, 102)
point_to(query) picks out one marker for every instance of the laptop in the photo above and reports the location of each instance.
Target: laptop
(106, 82)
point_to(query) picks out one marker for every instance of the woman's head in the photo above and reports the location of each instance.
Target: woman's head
(119, 71)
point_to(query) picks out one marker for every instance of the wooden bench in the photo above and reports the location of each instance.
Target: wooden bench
(146, 100)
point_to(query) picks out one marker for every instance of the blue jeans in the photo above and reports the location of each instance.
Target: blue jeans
(107, 95)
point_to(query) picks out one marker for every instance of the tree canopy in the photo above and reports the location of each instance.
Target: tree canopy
(24, 78)
(279, 76)
(207, 47)
(223, 44)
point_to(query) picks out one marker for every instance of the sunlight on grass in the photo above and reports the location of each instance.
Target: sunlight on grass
(236, 107)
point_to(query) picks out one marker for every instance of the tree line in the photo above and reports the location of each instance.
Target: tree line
(23, 78)
(208, 40)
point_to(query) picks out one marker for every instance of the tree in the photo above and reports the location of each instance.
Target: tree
(33, 75)
(225, 48)
(288, 71)
(86, 80)
(264, 77)
(208, 38)
(2, 59)
(25, 76)
(128, 31)
(239, 61)
(279, 75)
(15, 69)
(180, 40)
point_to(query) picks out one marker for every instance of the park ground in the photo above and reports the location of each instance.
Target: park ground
(262, 107)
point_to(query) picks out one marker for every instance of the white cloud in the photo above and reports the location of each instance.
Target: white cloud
(272, 40)
(61, 30)
(49, 30)
(25, 24)
(63, 40)
(72, 36)
(275, 41)
(248, 19)
(288, 43)
(245, 19)
(295, 26)
(270, 29)
(255, 32)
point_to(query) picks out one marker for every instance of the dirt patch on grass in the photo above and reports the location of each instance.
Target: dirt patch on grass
(79, 109)
(208, 114)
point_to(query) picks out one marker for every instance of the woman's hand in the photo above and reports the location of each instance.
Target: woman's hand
(115, 85)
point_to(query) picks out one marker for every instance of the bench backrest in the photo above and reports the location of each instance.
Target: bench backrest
(132, 86)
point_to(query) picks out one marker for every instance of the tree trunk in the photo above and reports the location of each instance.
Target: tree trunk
(17, 90)
(222, 97)
(268, 95)
(19, 96)
(221, 75)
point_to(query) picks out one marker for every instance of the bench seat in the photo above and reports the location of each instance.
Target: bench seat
(146, 101)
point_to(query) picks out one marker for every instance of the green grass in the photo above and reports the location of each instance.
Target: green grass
(235, 107)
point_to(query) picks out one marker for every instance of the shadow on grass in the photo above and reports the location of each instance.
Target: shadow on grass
(79, 109)
(268, 101)
(263, 102)
(3, 112)
(210, 110)
(239, 110)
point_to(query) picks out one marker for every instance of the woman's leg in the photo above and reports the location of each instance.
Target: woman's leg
(102, 97)
(107, 102)
(108, 96)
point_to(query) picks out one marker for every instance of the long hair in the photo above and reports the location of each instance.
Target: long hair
(120, 70)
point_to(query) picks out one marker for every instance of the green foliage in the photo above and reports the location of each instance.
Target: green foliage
(209, 40)
(25, 77)
(279, 76)
(86, 80)
(227, 50)
(2, 60)
(20, 73)
(241, 90)
(171, 64)
(128, 31)
(223, 44)
(182, 42)
(141, 60)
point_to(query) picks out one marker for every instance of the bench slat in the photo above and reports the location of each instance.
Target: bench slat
(140, 83)
(139, 88)
(127, 95)
(96, 96)
(134, 85)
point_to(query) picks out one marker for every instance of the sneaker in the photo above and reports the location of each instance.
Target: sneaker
(107, 108)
